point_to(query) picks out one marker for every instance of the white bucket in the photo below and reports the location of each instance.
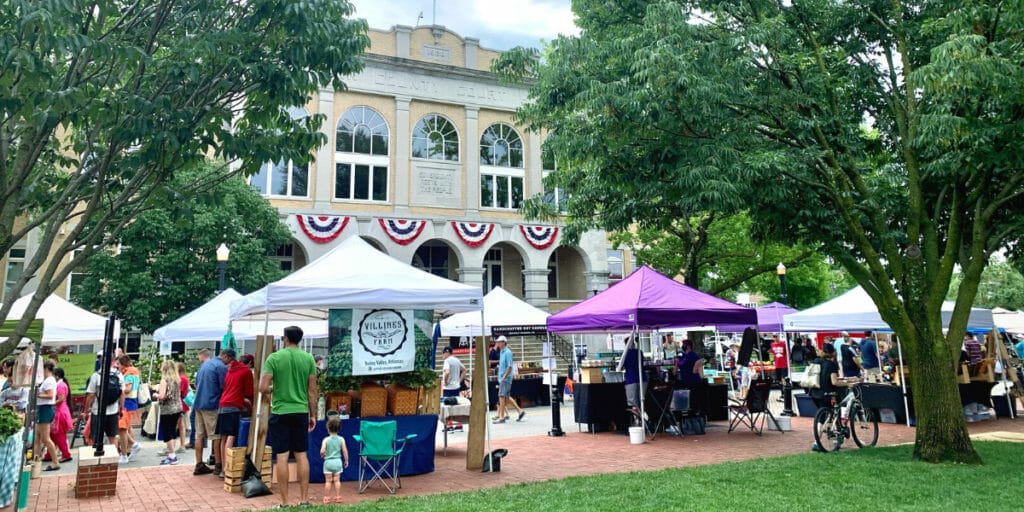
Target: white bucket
(636, 435)
(783, 423)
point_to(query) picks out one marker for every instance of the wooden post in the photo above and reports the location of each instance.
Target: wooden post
(260, 418)
(478, 409)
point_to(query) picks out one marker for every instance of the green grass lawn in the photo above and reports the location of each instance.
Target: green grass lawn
(878, 479)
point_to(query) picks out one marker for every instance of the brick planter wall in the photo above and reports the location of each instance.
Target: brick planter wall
(97, 476)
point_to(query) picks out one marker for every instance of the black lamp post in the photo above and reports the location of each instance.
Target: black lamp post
(223, 253)
(787, 386)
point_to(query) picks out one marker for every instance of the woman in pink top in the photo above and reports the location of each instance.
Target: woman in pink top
(182, 372)
(62, 422)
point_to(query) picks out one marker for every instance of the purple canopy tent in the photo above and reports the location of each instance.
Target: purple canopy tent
(769, 319)
(648, 300)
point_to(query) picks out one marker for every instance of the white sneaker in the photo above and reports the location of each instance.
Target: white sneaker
(135, 449)
(123, 459)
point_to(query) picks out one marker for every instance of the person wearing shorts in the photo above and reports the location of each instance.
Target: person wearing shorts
(91, 409)
(289, 375)
(237, 396)
(209, 387)
(505, 362)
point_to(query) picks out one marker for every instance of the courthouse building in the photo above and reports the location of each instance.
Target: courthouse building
(425, 162)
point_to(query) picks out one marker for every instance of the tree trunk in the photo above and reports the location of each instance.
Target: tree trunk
(941, 430)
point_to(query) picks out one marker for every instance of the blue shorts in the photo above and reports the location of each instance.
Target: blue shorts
(289, 433)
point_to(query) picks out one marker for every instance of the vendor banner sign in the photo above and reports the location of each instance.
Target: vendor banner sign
(378, 341)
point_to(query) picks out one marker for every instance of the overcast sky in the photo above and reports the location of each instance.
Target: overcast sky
(498, 24)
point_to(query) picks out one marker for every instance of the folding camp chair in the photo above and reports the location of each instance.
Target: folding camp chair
(753, 410)
(379, 453)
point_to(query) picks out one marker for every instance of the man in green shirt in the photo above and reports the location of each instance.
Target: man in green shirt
(289, 375)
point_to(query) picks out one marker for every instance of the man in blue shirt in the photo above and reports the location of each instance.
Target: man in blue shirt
(1020, 347)
(209, 386)
(505, 367)
(869, 355)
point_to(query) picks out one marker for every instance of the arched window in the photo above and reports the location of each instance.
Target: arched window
(283, 178)
(501, 167)
(552, 194)
(435, 137)
(361, 156)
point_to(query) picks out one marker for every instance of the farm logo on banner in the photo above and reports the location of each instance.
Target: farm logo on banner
(402, 231)
(473, 234)
(540, 237)
(321, 228)
(378, 341)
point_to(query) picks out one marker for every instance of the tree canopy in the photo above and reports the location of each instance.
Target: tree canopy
(889, 130)
(165, 262)
(103, 102)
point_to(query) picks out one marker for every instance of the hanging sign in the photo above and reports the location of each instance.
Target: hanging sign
(473, 234)
(378, 341)
(540, 237)
(321, 228)
(402, 231)
(518, 330)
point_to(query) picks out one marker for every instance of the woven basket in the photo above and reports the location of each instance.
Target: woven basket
(336, 399)
(402, 401)
(374, 400)
(430, 400)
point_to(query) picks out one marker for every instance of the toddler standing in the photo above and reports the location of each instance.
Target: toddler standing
(335, 455)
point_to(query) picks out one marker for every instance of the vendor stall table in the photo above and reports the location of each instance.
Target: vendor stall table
(602, 405)
(459, 412)
(417, 458)
(530, 387)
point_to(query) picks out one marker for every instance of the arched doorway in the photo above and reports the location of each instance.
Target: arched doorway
(290, 256)
(503, 266)
(374, 243)
(437, 257)
(566, 275)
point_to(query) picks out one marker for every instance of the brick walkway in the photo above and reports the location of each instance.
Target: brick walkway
(530, 459)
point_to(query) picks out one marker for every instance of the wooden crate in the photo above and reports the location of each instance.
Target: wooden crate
(374, 400)
(591, 376)
(336, 399)
(430, 399)
(402, 401)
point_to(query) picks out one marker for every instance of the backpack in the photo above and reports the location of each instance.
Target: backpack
(111, 389)
(813, 378)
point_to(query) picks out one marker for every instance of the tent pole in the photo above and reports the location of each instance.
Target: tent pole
(1006, 368)
(903, 380)
(640, 364)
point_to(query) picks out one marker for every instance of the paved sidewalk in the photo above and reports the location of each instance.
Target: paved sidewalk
(531, 458)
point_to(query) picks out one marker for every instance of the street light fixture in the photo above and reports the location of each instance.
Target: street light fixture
(223, 253)
(781, 271)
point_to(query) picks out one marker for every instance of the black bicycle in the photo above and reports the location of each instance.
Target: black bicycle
(844, 419)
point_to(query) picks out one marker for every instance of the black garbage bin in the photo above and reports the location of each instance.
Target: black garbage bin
(492, 463)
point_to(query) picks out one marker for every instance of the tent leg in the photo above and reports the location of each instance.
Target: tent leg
(903, 381)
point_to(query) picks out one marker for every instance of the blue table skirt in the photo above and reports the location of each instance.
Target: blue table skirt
(417, 458)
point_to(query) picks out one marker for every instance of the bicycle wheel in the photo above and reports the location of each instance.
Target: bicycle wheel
(826, 433)
(864, 426)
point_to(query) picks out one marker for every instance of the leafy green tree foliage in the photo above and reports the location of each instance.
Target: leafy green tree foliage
(102, 102)
(165, 265)
(891, 130)
(1001, 286)
(722, 258)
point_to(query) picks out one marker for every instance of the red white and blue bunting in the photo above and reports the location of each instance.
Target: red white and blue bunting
(473, 234)
(321, 228)
(402, 231)
(540, 237)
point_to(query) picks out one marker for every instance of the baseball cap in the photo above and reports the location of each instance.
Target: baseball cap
(502, 338)
(248, 359)
(446, 350)
(844, 333)
(229, 353)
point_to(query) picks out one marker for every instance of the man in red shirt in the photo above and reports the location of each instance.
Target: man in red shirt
(780, 353)
(237, 397)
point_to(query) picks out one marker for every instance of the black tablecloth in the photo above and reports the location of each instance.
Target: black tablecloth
(530, 388)
(601, 406)
(885, 396)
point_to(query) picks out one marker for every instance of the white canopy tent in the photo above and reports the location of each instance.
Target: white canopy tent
(854, 310)
(501, 308)
(65, 323)
(356, 275)
(1012, 321)
(210, 321)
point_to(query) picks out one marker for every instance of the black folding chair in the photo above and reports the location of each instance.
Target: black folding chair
(753, 411)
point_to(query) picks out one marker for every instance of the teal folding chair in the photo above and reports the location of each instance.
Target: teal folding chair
(379, 453)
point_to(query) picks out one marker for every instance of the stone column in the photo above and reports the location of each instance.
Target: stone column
(403, 35)
(473, 276)
(323, 189)
(401, 144)
(533, 184)
(471, 161)
(536, 292)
